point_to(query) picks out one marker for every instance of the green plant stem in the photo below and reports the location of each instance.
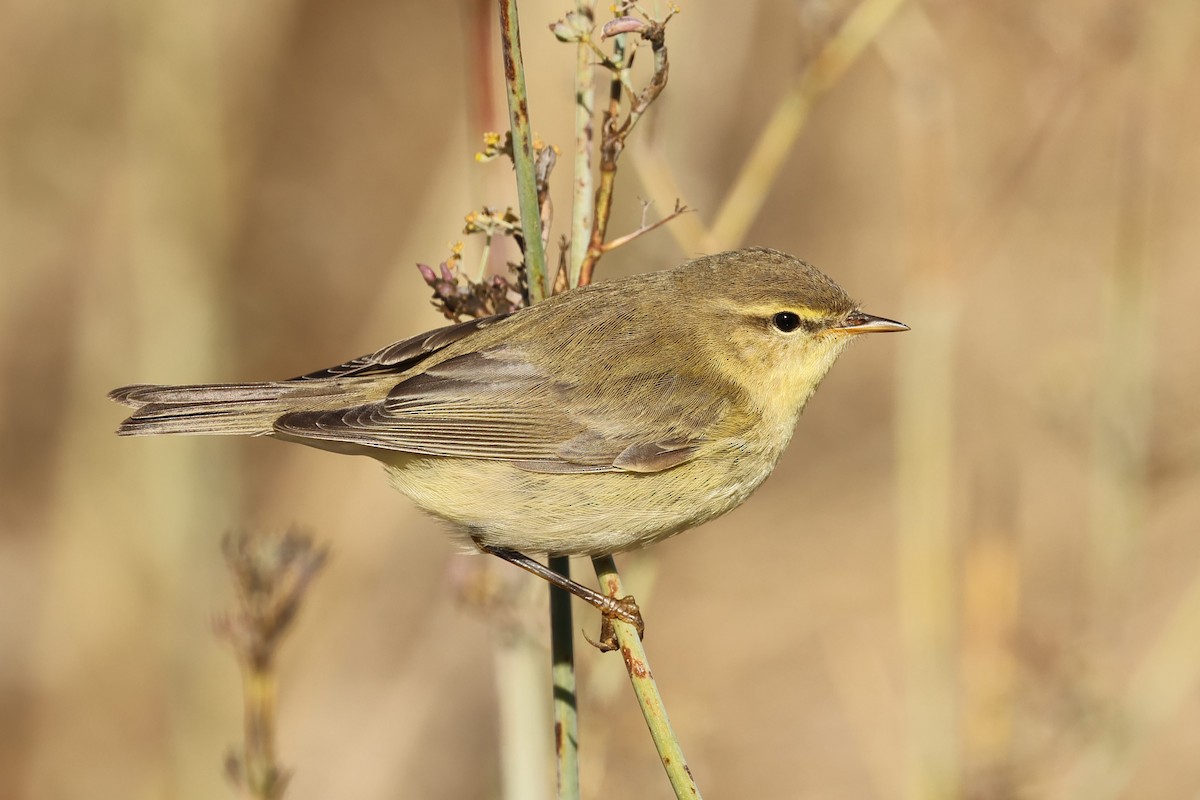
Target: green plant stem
(648, 697)
(562, 670)
(583, 199)
(566, 717)
(522, 140)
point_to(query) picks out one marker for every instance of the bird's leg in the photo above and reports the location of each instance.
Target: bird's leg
(622, 608)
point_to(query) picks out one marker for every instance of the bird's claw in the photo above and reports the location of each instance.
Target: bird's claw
(624, 609)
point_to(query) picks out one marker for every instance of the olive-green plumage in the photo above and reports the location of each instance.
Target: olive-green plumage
(603, 419)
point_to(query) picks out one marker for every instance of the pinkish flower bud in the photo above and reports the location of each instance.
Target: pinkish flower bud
(623, 25)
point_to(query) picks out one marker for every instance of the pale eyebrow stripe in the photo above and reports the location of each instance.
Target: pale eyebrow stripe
(804, 312)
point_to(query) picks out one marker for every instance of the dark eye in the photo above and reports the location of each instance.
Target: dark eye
(786, 321)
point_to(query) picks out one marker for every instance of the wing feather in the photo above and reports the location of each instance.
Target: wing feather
(405, 354)
(497, 404)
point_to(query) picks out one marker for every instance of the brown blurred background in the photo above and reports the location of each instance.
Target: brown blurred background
(976, 573)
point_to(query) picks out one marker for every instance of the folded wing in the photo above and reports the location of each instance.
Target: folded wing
(499, 405)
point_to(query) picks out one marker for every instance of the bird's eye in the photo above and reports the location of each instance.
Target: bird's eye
(786, 321)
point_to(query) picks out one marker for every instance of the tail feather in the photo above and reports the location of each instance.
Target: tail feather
(144, 394)
(242, 408)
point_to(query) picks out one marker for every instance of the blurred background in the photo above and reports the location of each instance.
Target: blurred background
(975, 574)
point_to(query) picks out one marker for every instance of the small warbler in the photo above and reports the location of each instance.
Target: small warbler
(603, 419)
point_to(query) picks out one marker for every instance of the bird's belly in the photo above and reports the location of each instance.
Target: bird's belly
(576, 514)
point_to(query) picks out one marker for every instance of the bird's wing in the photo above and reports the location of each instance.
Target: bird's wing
(499, 405)
(405, 354)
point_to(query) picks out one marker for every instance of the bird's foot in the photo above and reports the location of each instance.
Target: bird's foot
(624, 609)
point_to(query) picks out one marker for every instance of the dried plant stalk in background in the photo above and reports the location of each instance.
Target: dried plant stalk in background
(271, 575)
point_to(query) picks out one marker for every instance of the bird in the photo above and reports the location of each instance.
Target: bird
(604, 419)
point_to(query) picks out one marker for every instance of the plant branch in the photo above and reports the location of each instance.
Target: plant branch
(644, 228)
(609, 151)
(271, 575)
(645, 688)
(562, 629)
(614, 131)
(566, 709)
(657, 180)
(584, 193)
(522, 145)
(750, 189)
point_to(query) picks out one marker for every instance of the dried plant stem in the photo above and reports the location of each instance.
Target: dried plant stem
(615, 132)
(583, 196)
(580, 268)
(645, 688)
(646, 227)
(925, 386)
(262, 773)
(1124, 381)
(522, 140)
(562, 667)
(659, 184)
(524, 740)
(566, 718)
(1168, 671)
(174, 185)
(271, 575)
(925, 405)
(608, 167)
(745, 200)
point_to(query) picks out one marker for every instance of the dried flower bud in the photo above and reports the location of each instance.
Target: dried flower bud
(623, 25)
(575, 27)
(457, 295)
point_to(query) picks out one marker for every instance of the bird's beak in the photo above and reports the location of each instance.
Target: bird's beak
(861, 322)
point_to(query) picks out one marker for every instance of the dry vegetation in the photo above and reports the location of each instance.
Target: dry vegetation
(976, 573)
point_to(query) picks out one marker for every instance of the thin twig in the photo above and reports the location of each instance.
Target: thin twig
(658, 182)
(522, 144)
(745, 198)
(644, 228)
(614, 131)
(583, 196)
(645, 688)
(744, 201)
(562, 629)
(608, 171)
(545, 157)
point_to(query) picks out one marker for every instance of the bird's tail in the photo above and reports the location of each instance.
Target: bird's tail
(230, 408)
